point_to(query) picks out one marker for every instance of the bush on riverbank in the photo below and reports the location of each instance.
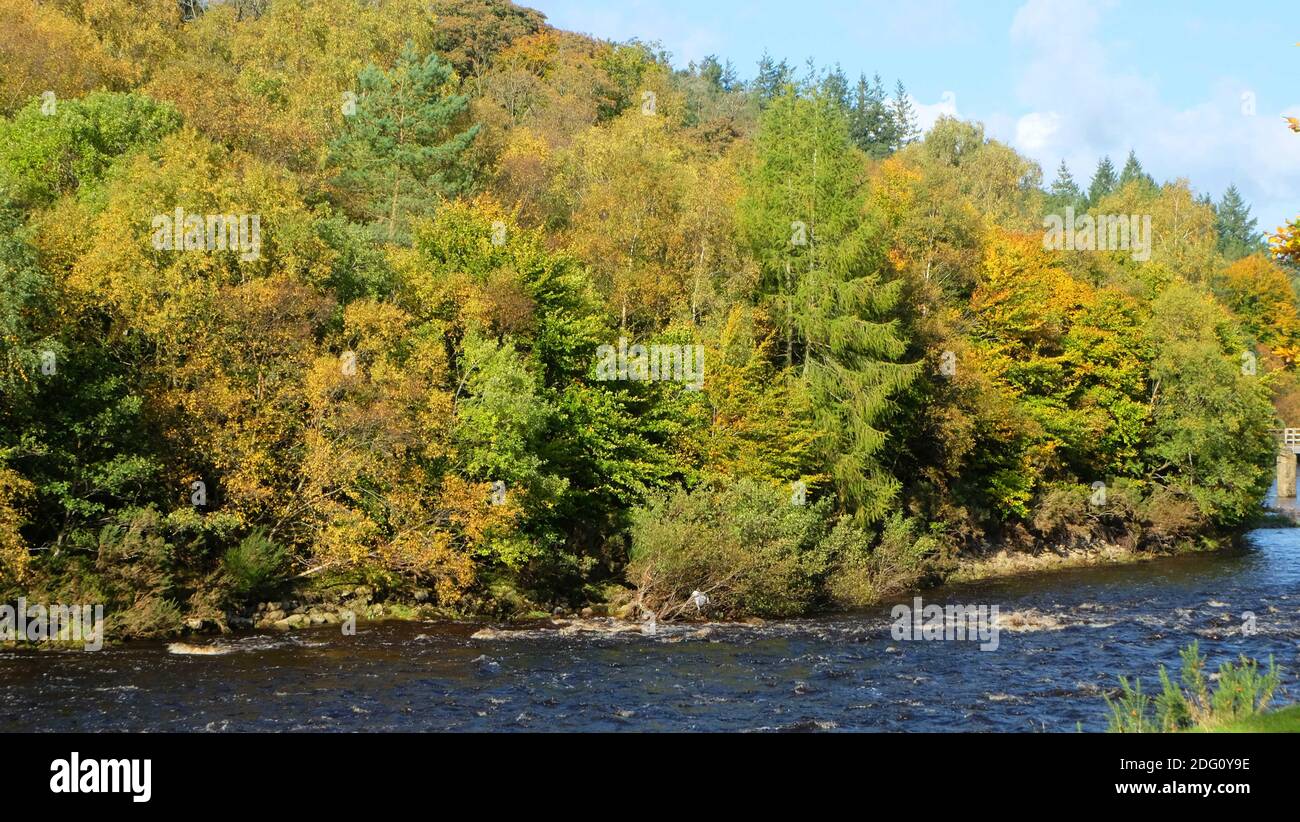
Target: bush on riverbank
(1240, 692)
(253, 568)
(753, 551)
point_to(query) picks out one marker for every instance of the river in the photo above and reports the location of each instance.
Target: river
(1078, 628)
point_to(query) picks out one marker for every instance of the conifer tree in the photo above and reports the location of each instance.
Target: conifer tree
(836, 86)
(1064, 191)
(1235, 227)
(398, 153)
(871, 123)
(771, 78)
(1103, 182)
(802, 215)
(1133, 172)
(906, 129)
(720, 76)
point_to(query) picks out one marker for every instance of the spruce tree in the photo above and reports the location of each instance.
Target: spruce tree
(1103, 182)
(398, 153)
(1064, 191)
(1133, 172)
(836, 87)
(871, 123)
(821, 279)
(905, 128)
(772, 77)
(858, 112)
(1236, 228)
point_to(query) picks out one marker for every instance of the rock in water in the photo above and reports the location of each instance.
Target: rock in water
(198, 650)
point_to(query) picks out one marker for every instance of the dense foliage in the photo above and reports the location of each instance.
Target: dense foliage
(396, 381)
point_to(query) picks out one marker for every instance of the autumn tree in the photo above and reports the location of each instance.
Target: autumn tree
(470, 33)
(1260, 294)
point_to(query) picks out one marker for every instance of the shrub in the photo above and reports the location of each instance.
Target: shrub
(135, 571)
(746, 546)
(1130, 711)
(1061, 513)
(253, 567)
(145, 616)
(1156, 518)
(1171, 517)
(754, 553)
(863, 575)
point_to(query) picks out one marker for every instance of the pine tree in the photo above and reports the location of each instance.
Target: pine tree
(1064, 191)
(905, 128)
(1236, 228)
(836, 87)
(1133, 173)
(870, 122)
(718, 75)
(821, 280)
(1103, 182)
(398, 153)
(710, 70)
(772, 77)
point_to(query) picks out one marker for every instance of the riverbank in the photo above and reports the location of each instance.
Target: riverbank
(1281, 721)
(1008, 563)
(346, 605)
(620, 613)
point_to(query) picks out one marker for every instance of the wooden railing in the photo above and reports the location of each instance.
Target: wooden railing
(1288, 436)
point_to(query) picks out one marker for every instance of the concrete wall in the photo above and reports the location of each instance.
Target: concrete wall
(1285, 472)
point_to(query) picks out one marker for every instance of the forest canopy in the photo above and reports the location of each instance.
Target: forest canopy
(403, 236)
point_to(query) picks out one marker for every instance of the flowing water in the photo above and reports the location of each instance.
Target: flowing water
(1075, 630)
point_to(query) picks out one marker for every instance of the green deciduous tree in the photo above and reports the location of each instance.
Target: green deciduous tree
(1212, 417)
(42, 156)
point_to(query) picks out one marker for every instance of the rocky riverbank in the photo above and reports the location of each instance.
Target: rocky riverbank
(307, 608)
(348, 605)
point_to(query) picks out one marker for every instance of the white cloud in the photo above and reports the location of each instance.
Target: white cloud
(1081, 106)
(928, 113)
(1036, 130)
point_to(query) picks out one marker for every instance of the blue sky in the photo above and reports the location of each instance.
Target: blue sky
(1057, 79)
